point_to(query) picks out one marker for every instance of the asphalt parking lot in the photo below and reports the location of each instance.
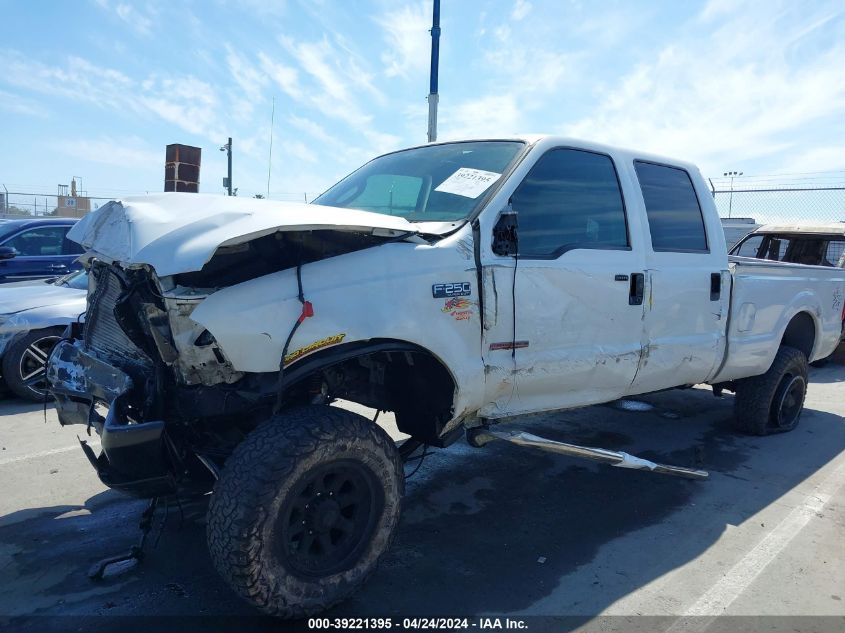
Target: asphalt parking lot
(498, 530)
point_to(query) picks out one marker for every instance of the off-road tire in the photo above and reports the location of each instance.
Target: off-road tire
(12, 359)
(263, 478)
(759, 398)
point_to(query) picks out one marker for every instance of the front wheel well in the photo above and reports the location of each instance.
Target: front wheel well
(385, 375)
(800, 333)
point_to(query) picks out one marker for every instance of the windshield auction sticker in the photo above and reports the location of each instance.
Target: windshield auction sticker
(467, 182)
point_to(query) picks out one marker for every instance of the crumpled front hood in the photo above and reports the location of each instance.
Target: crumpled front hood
(29, 295)
(179, 232)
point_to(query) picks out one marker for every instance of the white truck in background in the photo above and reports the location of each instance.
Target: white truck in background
(737, 228)
(455, 284)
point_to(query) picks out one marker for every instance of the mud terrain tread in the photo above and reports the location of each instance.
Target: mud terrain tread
(249, 485)
(754, 395)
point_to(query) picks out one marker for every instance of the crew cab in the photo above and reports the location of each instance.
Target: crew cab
(455, 284)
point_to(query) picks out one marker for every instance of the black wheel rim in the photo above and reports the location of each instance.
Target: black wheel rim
(329, 518)
(789, 400)
(33, 364)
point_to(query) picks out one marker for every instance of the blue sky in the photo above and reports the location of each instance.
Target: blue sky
(97, 88)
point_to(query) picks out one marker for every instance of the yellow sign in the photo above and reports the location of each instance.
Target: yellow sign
(313, 347)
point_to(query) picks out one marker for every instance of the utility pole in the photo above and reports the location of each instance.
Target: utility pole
(732, 174)
(227, 182)
(433, 97)
(270, 157)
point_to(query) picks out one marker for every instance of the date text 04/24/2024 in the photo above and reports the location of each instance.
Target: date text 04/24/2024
(345, 624)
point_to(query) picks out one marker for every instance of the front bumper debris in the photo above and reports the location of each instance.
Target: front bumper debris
(480, 436)
(133, 453)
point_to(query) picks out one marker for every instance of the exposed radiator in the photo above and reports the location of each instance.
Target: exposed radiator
(102, 334)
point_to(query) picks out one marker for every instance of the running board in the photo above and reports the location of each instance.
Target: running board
(480, 436)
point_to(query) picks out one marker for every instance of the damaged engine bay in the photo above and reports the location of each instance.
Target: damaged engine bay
(167, 403)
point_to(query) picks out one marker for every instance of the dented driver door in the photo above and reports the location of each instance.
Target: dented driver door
(567, 328)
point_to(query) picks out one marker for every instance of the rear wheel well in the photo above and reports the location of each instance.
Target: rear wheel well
(800, 333)
(403, 378)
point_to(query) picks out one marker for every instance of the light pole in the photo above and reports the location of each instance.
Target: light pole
(732, 174)
(433, 96)
(227, 182)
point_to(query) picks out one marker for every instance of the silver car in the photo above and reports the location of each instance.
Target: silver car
(33, 315)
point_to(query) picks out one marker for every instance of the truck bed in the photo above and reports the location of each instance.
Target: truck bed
(765, 296)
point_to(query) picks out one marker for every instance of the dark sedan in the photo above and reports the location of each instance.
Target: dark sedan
(36, 248)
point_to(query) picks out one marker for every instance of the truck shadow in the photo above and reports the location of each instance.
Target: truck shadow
(516, 531)
(493, 530)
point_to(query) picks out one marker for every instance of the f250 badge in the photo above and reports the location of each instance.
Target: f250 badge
(457, 289)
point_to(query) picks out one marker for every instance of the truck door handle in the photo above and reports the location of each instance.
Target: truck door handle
(635, 295)
(715, 286)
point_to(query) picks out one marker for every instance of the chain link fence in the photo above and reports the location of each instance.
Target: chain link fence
(782, 204)
(764, 205)
(16, 204)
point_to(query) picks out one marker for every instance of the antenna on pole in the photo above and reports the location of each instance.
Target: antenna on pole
(270, 159)
(433, 97)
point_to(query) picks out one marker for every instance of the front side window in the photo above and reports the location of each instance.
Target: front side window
(750, 246)
(674, 215)
(570, 199)
(435, 183)
(45, 240)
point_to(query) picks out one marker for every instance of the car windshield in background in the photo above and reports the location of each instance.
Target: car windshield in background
(78, 280)
(435, 183)
(7, 228)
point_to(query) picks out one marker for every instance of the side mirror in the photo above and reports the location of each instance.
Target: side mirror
(7, 252)
(506, 233)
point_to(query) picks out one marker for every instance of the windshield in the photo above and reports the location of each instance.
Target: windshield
(77, 279)
(7, 228)
(435, 183)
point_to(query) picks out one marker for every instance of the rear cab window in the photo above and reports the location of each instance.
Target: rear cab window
(801, 248)
(835, 255)
(675, 220)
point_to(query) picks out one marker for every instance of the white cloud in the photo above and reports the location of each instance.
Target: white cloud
(250, 79)
(141, 21)
(298, 150)
(520, 10)
(822, 158)
(283, 75)
(745, 89)
(185, 101)
(126, 152)
(492, 115)
(17, 104)
(405, 31)
(337, 78)
(312, 129)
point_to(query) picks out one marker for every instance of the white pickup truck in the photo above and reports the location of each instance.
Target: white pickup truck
(455, 284)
